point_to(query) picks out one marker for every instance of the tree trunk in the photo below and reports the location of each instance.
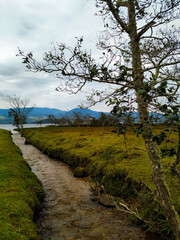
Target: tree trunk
(174, 170)
(153, 153)
(21, 124)
(21, 128)
(157, 171)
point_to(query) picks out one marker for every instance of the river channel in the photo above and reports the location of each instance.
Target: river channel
(69, 213)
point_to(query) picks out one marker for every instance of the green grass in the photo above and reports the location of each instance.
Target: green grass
(21, 193)
(125, 173)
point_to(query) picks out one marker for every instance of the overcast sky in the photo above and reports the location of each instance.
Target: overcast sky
(33, 25)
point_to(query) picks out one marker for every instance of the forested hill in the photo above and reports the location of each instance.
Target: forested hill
(43, 113)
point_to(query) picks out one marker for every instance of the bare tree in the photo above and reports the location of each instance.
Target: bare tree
(77, 119)
(140, 49)
(19, 110)
(87, 119)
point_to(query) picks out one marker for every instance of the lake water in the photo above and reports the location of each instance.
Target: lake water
(10, 127)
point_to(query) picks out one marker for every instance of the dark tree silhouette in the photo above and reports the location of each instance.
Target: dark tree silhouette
(19, 110)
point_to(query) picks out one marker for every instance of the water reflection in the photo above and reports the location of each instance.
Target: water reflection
(10, 127)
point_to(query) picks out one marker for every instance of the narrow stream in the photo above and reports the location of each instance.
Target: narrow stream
(69, 214)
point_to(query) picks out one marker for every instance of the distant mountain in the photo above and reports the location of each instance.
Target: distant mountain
(46, 111)
(155, 117)
(37, 113)
(43, 113)
(4, 116)
(83, 112)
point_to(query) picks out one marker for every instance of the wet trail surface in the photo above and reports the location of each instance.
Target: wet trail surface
(68, 212)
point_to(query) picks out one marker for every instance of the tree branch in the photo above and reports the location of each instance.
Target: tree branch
(145, 28)
(161, 65)
(121, 3)
(115, 14)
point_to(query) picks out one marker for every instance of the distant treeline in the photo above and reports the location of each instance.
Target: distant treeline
(105, 120)
(78, 120)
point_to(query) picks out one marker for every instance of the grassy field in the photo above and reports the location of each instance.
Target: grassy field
(125, 172)
(21, 193)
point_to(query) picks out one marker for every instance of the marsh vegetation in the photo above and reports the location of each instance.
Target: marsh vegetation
(122, 169)
(21, 193)
(68, 211)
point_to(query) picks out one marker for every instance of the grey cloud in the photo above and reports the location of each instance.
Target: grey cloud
(10, 70)
(33, 26)
(26, 29)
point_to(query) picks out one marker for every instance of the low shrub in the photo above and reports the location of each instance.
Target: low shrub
(80, 172)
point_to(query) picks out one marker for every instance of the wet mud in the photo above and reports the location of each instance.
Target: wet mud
(68, 212)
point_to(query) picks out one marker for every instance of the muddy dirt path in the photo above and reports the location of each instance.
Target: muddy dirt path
(69, 214)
